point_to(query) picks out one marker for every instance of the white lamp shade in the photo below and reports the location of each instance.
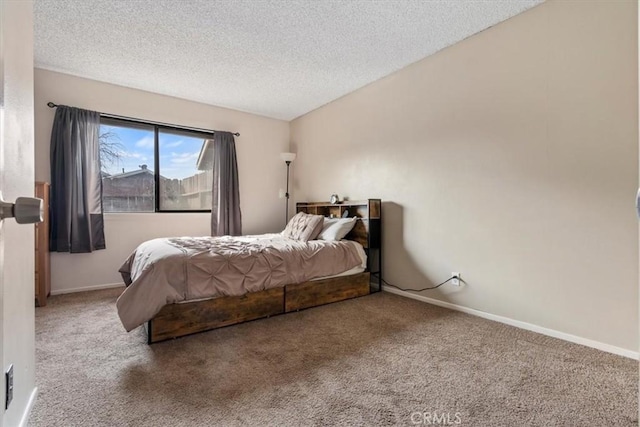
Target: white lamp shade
(288, 157)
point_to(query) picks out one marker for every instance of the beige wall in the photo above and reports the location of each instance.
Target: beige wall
(17, 346)
(261, 171)
(511, 157)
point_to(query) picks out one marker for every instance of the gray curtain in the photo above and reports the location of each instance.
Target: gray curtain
(226, 218)
(76, 186)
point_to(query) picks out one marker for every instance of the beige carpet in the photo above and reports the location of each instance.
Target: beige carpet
(376, 360)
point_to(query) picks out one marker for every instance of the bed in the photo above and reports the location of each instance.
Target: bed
(181, 286)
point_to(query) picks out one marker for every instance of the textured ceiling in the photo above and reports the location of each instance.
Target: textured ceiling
(278, 58)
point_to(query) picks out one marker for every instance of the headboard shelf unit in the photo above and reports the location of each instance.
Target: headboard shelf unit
(367, 230)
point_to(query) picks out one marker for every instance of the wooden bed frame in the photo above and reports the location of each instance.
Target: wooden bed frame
(177, 320)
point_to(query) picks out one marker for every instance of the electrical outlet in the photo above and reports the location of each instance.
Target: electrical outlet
(8, 380)
(456, 279)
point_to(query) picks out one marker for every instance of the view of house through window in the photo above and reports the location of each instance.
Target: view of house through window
(128, 156)
(186, 173)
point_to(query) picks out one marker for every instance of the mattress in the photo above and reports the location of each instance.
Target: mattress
(174, 270)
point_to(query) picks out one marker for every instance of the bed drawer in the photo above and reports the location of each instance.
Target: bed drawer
(183, 319)
(319, 292)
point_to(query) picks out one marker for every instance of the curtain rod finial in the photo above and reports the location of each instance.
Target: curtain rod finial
(51, 105)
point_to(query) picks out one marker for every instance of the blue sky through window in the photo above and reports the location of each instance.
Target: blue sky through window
(178, 153)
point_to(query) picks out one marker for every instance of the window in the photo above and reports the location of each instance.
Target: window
(186, 170)
(153, 168)
(127, 158)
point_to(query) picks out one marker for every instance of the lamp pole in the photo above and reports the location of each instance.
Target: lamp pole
(288, 158)
(286, 195)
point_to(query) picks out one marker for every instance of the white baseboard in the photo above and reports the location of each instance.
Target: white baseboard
(27, 411)
(518, 324)
(87, 288)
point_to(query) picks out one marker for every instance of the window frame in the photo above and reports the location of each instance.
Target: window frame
(157, 128)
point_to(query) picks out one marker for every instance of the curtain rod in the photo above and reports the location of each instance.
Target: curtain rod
(133, 119)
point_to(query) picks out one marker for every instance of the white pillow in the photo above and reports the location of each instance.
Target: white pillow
(336, 228)
(328, 222)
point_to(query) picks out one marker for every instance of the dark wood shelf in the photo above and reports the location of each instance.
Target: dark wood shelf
(367, 231)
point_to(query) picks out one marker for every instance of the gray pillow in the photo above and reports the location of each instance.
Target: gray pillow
(303, 227)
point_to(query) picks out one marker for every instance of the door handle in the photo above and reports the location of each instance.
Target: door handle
(26, 210)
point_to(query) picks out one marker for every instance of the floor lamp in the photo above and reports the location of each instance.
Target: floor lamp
(288, 158)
